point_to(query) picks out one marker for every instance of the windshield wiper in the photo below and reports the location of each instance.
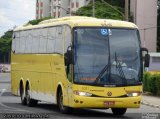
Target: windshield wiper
(101, 73)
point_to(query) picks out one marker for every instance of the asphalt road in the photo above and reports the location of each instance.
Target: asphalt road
(10, 106)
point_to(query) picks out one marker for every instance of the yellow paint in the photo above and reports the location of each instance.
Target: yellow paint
(45, 72)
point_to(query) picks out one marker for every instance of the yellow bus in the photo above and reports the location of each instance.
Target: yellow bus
(76, 62)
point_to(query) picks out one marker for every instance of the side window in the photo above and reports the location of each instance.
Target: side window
(68, 37)
(43, 40)
(28, 47)
(14, 37)
(51, 40)
(67, 54)
(22, 41)
(35, 40)
(59, 40)
(17, 39)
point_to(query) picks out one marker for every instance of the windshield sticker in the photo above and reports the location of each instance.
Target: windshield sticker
(80, 31)
(110, 32)
(104, 32)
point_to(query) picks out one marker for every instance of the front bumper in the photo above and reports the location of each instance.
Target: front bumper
(99, 102)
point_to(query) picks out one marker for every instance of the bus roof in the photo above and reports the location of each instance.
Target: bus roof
(74, 21)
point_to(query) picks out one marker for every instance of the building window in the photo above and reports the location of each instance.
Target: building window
(69, 10)
(54, 14)
(72, 5)
(41, 4)
(77, 4)
(37, 4)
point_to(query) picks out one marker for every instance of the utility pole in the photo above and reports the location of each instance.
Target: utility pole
(126, 9)
(93, 8)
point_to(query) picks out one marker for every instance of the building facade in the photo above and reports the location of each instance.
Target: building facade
(154, 62)
(145, 17)
(42, 8)
(58, 8)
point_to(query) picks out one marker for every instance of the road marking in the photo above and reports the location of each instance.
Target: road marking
(13, 109)
(3, 90)
(151, 105)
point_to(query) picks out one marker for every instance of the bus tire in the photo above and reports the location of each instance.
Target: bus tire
(62, 108)
(30, 102)
(22, 95)
(119, 111)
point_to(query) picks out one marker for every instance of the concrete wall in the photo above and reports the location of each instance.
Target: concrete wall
(46, 8)
(154, 62)
(145, 16)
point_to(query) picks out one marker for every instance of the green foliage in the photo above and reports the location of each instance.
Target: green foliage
(101, 11)
(36, 21)
(7, 34)
(5, 42)
(5, 45)
(151, 83)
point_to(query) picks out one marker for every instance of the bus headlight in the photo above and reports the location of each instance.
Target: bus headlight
(76, 92)
(134, 94)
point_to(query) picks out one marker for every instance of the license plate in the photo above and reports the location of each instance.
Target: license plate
(109, 103)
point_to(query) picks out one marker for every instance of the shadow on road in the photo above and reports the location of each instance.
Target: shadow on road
(53, 111)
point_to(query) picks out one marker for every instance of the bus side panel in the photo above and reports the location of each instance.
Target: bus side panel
(43, 72)
(61, 79)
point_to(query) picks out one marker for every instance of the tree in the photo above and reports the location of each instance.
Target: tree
(5, 46)
(36, 21)
(6, 41)
(101, 11)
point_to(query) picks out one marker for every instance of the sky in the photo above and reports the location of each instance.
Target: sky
(15, 12)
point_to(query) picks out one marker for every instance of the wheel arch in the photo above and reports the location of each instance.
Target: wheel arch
(21, 84)
(59, 87)
(28, 84)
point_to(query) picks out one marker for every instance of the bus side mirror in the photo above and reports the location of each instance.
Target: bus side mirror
(68, 57)
(146, 57)
(146, 60)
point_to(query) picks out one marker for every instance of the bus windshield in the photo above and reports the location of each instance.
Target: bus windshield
(107, 56)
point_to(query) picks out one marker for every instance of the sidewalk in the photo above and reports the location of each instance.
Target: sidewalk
(152, 101)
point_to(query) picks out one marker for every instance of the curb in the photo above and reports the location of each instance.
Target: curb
(150, 104)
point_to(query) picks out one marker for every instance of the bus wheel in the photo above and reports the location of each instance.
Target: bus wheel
(23, 98)
(119, 111)
(62, 108)
(30, 102)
